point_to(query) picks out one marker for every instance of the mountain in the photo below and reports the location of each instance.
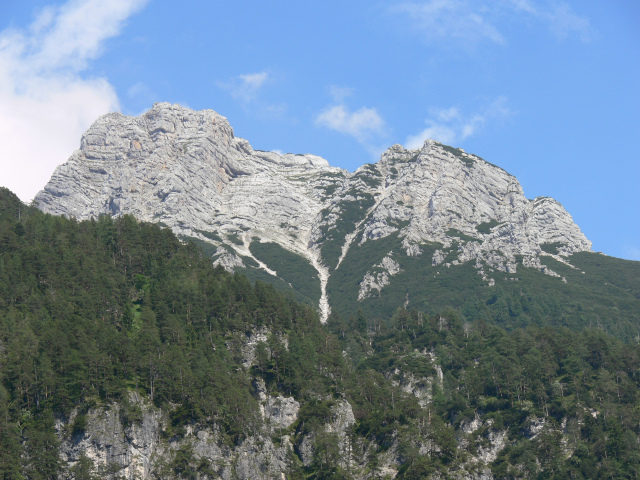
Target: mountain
(124, 353)
(422, 229)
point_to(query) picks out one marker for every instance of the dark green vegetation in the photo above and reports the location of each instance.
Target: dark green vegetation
(468, 160)
(234, 238)
(606, 296)
(333, 181)
(583, 386)
(293, 269)
(452, 232)
(351, 212)
(453, 151)
(369, 175)
(93, 311)
(551, 247)
(207, 248)
(487, 226)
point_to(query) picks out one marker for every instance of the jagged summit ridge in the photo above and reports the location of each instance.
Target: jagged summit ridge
(187, 170)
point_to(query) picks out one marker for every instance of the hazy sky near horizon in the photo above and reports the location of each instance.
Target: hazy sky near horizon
(548, 90)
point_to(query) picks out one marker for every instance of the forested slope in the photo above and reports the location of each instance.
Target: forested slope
(118, 320)
(589, 289)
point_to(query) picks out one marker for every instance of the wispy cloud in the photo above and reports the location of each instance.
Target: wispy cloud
(340, 93)
(453, 19)
(469, 22)
(558, 15)
(248, 88)
(563, 21)
(245, 87)
(45, 102)
(361, 124)
(451, 126)
(365, 124)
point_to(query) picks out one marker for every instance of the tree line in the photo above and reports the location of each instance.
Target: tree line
(91, 311)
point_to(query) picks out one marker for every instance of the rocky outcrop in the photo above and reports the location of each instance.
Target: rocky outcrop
(187, 170)
(379, 277)
(133, 441)
(112, 442)
(342, 419)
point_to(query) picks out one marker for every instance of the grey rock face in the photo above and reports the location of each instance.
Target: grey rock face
(341, 419)
(187, 170)
(139, 449)
(110, 442)
(281, 411)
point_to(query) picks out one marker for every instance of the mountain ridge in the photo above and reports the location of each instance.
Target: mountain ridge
(187, 170)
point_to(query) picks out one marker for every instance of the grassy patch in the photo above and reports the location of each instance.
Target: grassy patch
(290, 267)
(606, 296)
(254, 274)
(210, 235)
(452, 150)
(208, 250)
(234, 238)
(486, 227)
(452, 232)
(343, 286)
(430, 289)
(329, 190)
(351, 213)
(370, 177)
(459, 154)
(551, 247)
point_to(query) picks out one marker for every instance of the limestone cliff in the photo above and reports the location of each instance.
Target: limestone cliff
(187, 170)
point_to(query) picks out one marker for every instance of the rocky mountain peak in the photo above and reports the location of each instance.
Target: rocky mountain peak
(187, 170)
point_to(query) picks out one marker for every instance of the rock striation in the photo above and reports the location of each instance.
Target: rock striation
(185, 169)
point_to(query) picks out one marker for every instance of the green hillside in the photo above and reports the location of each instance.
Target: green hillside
(95, 313)
(606, 295)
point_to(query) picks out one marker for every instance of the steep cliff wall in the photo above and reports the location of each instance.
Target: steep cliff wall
(187, 170)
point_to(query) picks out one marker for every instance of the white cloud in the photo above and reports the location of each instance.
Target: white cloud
(448, 114)
(245, 87)
(469, 22)
(441, 133)
(559, 16)
(247, 90)
(45, 103)
(254, 81)
(363, 124)
(450, 126)
(563, 21)
(340, 93)
(462, 20)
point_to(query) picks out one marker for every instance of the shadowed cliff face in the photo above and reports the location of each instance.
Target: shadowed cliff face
(185, 169)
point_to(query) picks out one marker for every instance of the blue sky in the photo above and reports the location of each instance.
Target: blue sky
(549, 90)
